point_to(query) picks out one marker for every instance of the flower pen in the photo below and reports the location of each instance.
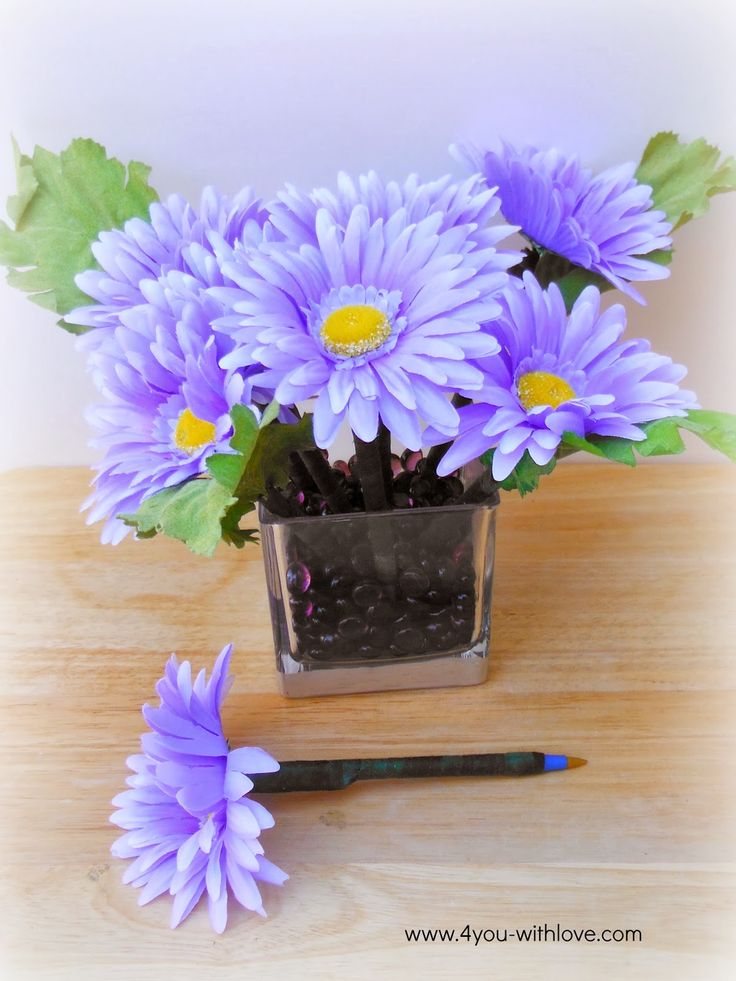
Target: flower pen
(191, 825)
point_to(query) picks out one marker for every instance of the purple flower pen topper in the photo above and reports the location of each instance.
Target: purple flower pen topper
(190, 826)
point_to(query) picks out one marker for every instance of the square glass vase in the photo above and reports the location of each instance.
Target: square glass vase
(384, 600)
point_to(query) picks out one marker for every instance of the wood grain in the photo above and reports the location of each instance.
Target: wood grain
(613, 633)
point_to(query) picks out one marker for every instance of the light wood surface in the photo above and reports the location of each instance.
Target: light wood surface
(613, 638)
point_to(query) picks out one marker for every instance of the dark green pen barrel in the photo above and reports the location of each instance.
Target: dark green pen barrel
(305, 775)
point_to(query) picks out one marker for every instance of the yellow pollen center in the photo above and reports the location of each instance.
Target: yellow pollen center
(542, 388)
(192, 432)
(353, 330)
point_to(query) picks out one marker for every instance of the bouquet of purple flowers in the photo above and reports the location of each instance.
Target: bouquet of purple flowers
(232, 341)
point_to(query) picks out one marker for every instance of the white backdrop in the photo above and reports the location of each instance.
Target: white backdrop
(236, 91)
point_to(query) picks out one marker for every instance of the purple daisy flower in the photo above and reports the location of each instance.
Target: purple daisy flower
(143, 251)
(168, 400)
(604, 223)
(372, 303)
(558, 373)
(153, 354)
(190, 826)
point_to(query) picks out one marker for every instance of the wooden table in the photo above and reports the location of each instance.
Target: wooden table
(613, 638)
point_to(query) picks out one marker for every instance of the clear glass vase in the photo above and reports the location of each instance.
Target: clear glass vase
(384, 600)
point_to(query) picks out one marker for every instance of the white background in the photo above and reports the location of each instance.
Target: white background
(231, 92)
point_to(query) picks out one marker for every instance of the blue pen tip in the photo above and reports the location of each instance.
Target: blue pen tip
(552, 762)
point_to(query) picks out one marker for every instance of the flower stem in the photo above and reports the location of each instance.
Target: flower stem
(370, 472)
(550, 268)
(277, 503)
(299, 474)
(375, 483)
(322, 474)
(384, 448)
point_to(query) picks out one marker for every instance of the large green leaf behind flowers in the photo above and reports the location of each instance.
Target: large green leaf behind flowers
(684, 176)
(62, 204)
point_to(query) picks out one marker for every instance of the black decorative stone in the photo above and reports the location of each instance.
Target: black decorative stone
(414, 582)
(410, 640)
(367, 594)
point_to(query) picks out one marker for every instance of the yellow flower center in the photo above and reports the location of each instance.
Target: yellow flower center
(355, 329)
(192, 432)
(542, 388)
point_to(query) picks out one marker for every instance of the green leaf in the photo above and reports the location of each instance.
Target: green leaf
(609, 447)
(269, 461)
(27, 184)
(269, 413)
(662, 438)
(62, 204)
(262, 456)
(663, 257)
(526, 475)
(245, 430)
(227, 469)
(717, 429)
(191, 512)
(573, 283)
(684, 176)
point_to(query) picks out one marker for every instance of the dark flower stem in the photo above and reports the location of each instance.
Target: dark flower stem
(299, 473)
(277, 503)
(550, 268)
(529, 262)
(370, 472)
(384, 447)
(306, 775)
(375, 484)
(324, 477)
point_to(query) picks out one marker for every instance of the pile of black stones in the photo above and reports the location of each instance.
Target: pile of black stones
(414, 484)
(395, 585)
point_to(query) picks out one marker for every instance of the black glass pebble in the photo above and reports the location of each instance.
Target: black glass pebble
(414, 582)
(298, 578)
(420, 487)
(342, 606)
(379, 636)
(410, 459)
(403, 482)
(410, 640)
(366, 594)
(381, 613)
(352, 628)
(433, 630)
(340, 583)
(459, 620)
